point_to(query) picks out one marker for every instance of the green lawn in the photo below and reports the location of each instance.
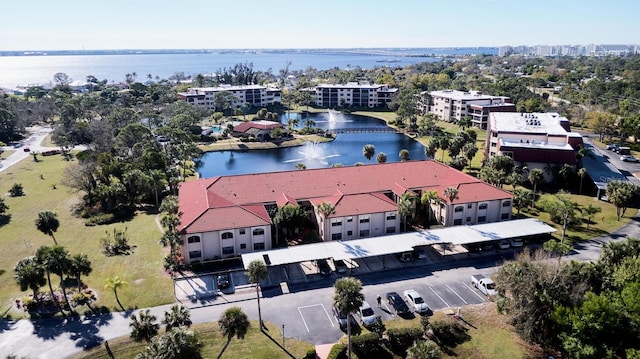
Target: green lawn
(147, 286)
(254, 345)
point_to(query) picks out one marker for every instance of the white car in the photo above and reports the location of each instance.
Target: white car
(516, 242)
(629, 158)
(415, 300)
(504, 244)
(367, 316)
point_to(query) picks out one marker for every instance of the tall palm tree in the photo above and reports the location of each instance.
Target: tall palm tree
(348, 299)
(257, 271)
(368, 151)
(427, 199)
(590, 211)
(325, 209)
(406, 208)
(30, 274)
(145, 327)
(582, 173)
(48, 224)
(53, 260)
(158, 180)
(115, 283)
(178, 316)
(381, 157)
(233, 322)
(451, 194)
(80, 265)
(536, 176)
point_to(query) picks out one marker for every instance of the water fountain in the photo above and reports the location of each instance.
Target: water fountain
(313, 151)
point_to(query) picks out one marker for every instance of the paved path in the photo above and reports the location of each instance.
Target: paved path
(33, 142)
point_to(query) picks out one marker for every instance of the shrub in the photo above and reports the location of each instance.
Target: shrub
(449, 333)
(16, 190)
(105, 218)
(368, 346)
(400, 339)
(339, 351)
(311, 354)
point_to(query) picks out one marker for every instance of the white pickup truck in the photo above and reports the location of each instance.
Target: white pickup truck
(484, 284)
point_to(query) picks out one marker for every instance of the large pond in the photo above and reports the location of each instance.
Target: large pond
(346, 149)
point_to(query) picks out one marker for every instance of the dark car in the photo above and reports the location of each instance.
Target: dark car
(341, 317)
(223, 280)
(323, 267)
(396, 301)
(341, 266)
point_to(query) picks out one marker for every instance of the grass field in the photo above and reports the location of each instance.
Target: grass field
(147, 285)
(254, 345)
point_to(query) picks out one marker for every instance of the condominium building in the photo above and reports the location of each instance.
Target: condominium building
(229, 215)
(453, 105)
(352, 94)
(538, 140)
(252, 95)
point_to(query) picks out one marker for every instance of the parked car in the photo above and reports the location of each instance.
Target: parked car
(415, 300)
(323, 267)
(367, 316)
(395, 300)
(405, 257)
(516, 242)
(420, 254)
(26, 149)
(341, 266)
(629, 158)
(223, 280)
(486, 285)
(504, 244)
(613, 147)
(342, 318)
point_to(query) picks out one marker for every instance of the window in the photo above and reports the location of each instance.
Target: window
(364, 220)
(482, 219)
(336, 236)
(195, 254)
(468, 219)
(457, 222)
(391, 230)
(258, 246)
(243, 246)
(469, 205)
(349, 233)
(193, 239)
(258, 231)
(227, 235)
(391, 217)
(459, 209)
(364, 233)
(227, 250)
(482, 206)
(242, 231)
(336, 223)
(349, 219)
(504, 216)
(506, 203)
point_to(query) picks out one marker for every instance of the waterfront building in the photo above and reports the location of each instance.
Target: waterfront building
(539, 140)
(226, 216)
(251, 95)
(352, 94)
(453, 105)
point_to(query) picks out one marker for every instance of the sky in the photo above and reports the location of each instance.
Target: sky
(247, 24)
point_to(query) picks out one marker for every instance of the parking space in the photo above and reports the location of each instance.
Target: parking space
(315, 317)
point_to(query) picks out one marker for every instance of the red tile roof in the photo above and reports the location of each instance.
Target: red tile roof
(261, 125)
(317, 184)
(216, 219)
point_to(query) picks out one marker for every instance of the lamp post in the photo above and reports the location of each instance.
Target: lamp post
(283, 335)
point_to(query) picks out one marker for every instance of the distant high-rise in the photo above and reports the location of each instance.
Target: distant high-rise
(570, 50)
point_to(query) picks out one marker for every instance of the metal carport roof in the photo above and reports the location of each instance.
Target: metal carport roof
(376, 246)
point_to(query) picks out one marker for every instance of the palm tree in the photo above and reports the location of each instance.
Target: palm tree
(404, 155)
(115, 283)
(368, 151)
(176, 344)
(257, 271)
(406, 208)
(536, 176)
(233, 322)
(424, 349)
(48, 224)
(145, 327)
(325, 209)
(381, 157)
(427, 199)
(178, 316)
(292, 122)
(54, 260)
(158, 180)
(590, 211)
(451, 194)
(30, 274)
(582, 173)
(348, 298)
(79, 265)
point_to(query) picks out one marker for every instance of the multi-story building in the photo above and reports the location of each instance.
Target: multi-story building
(253, 95)
(452, 105)
(229, 215)
(539, 140)
(352, 94)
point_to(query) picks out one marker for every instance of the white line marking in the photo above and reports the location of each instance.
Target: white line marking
(328, 316)
(457, 295)
(388, 310)
(303, 321)
(474, 291)
(437, 295)
(312, 305)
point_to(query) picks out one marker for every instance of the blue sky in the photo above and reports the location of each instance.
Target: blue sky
(163, 24)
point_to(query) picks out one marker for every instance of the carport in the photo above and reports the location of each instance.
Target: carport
(377, 246)
(601, 170)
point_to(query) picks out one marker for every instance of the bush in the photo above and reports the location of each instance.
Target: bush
(311, 354)
(368, 346)
(105, 218)
(449, 333)
(339, 351)
(16, 190)
(400, 339)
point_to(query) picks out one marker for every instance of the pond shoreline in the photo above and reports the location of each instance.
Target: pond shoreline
(235, 144)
